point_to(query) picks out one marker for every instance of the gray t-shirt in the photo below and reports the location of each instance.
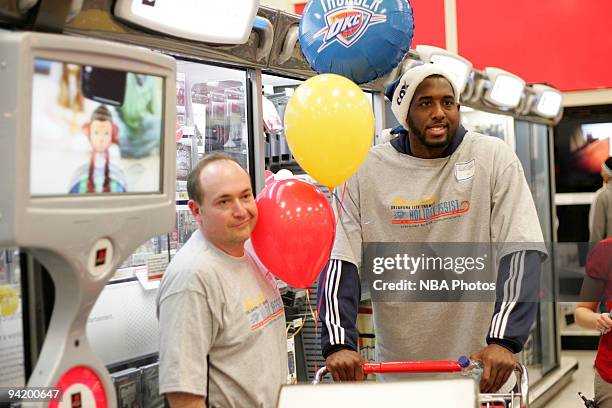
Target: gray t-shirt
(222, 328)
(600, 216)
(477, 194)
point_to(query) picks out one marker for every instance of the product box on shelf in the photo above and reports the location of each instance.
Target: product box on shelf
(128, 388)
(150, 386)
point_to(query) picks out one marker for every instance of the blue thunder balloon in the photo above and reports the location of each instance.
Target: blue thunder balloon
(359, 39)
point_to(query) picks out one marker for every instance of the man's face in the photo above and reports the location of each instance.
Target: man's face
(100, 134)
(433, 116)
(228, 213)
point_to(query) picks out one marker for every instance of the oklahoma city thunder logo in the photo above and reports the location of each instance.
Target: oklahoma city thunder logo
(346, 25)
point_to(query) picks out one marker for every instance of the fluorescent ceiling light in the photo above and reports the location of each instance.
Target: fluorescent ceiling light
(549, 101)
(458, 67)
(506, 89)
(221, 22)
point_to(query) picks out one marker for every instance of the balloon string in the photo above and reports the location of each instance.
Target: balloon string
(304, 319)
(315, 316)
(340, 201)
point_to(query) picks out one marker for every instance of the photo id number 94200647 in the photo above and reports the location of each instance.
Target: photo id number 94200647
(29, 394)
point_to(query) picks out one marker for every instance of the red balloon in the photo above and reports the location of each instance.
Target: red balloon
(295, 231)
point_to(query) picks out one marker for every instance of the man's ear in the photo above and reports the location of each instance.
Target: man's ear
(194, 208)
(85, 128)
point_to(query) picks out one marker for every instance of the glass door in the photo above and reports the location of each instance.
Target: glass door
(532, 148)
(277, 91)
(212, 109)
(491, 124)
(212, 115)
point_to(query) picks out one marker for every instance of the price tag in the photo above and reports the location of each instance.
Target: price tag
(156, 266)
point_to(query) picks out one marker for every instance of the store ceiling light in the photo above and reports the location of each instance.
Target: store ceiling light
(457, 66)
(548, 101)
(505, 90)
(222, 22)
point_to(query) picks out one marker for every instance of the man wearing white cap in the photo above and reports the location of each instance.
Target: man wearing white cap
(462, 187)
(600, 216)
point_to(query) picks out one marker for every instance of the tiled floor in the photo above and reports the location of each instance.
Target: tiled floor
(582, 381)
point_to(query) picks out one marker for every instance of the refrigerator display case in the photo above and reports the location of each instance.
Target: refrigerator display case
(276, 94)
(487, 123)
(215, 112)
(211, 116)
(534, 150)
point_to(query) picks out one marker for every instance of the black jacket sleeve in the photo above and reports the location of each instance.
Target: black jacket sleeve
(339, 292)
(517, 295)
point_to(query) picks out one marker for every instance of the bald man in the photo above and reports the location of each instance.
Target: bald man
(222, 321)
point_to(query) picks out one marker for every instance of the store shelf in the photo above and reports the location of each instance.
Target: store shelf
(574, 337)
(575, 330)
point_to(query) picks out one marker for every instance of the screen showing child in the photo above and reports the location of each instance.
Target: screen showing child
(94, 130)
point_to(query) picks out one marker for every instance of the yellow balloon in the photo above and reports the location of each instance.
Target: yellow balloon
(329, 126)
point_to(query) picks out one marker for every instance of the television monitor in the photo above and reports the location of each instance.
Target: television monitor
(594, 147)
(87, 142)
(94, 130)
(582, 143)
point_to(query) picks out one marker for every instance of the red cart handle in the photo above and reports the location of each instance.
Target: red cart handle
(422, 366)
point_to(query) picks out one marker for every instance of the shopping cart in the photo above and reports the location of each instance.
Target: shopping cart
(517, 398)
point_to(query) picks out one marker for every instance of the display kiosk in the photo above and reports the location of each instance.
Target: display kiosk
(87, 158)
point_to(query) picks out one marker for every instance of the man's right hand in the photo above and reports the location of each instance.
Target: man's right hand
(345, 365)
